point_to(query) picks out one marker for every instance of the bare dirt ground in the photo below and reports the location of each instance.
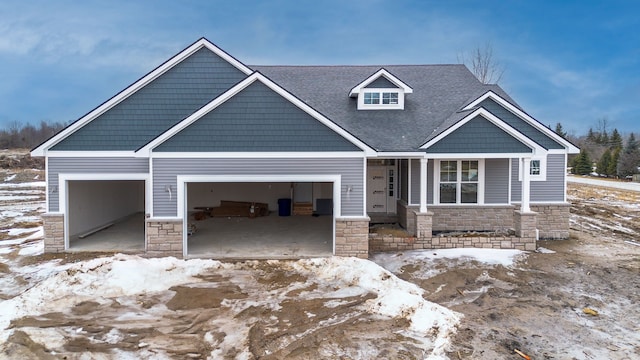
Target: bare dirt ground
(257, 311)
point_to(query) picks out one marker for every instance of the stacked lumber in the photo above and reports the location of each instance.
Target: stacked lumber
(229, 208)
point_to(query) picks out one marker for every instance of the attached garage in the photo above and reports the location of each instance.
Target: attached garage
(259, 218)
(104, 215)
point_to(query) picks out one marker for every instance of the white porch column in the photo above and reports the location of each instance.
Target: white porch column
(423, 185)
(525, 166)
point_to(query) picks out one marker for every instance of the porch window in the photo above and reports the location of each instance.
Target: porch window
(459, 181)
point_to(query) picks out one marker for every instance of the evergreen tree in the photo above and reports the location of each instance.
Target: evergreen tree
(604, 139)
(615, 140)
(612, 169)
(560, 131)
(582, 164)
(603, 163)
(629, 158)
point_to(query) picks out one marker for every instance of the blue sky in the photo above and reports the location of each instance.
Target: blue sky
(573, 62)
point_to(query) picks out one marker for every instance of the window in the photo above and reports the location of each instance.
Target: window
(459, 181)
(390, 98)
(371, 98)
(537, 169)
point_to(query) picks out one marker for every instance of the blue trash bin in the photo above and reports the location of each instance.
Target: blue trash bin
(284, 207)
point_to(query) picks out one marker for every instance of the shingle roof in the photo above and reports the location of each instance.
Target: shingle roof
(440, 92)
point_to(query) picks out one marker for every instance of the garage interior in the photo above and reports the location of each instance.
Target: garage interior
(106, 215)
(260, 220)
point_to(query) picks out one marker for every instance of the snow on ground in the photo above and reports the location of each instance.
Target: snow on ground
(429, 261)
(606, 183)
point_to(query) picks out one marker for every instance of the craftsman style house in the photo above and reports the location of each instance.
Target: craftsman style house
(337, 147)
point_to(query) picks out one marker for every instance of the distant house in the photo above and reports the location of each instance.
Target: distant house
(427, 146)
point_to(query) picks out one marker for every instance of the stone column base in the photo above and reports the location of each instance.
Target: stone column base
(164, 238)
(352, 237)
(423, 224)
(525, 224)
(53, 225)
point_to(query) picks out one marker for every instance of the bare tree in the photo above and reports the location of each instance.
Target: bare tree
(483, 65)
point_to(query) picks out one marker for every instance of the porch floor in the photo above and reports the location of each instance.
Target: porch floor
(273, 237)
(124, 236)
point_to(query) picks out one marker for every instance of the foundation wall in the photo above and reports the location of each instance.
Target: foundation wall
(352, 237)
(53, 225)
(383, 243)
(472, 218)
(164, 238)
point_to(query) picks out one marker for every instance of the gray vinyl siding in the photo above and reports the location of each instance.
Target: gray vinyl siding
(479, 135)
(165, 172)
(551, 190)
(89, 165)
(256, 119)
(415, 181)
(381, 82)
(521, 125)
(157, 106)
(496, 186)
(404, 180)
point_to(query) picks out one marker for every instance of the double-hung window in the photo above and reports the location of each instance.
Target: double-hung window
(459, 181)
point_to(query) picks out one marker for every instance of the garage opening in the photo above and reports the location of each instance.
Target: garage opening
(106, 215)
(259, 219)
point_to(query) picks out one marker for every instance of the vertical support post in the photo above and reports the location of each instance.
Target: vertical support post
(423, 185)
(525, 166)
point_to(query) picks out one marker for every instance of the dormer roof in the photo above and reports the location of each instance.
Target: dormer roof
(382, 73)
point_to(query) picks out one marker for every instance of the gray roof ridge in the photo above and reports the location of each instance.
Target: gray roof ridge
(349, 65)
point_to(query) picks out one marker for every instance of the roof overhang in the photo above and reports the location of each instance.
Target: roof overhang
(570, 148)
(146, 150)
(536, 149)
(41, 150)
(386, 74)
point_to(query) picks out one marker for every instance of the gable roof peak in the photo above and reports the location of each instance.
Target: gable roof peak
(381, 73)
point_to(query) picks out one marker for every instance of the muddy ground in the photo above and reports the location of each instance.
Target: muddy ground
(535, 306)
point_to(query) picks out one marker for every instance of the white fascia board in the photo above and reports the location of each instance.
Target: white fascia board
(91, 154)
(570, 148)
(382, 72)
(256, 76)
(537, 149)
(396, 155)
(465, 156)
(154, 74)
(258, 155)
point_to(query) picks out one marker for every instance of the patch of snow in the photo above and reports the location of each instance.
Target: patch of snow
(16, 232)
(24, 185)
(543, 250)
(16, 198)
(31, 249)
(10, 177)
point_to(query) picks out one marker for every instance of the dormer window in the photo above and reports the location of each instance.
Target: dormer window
(381, 91)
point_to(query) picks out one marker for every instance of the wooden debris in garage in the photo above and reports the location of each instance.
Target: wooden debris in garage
(229, 208)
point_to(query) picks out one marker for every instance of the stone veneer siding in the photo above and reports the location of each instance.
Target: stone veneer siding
(352, 237)
(164, 238)
(381, 243)
(53, 226)
(553, 220)
(472, 218)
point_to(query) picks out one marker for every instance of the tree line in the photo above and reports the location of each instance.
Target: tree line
(604, 151)
(17, 135)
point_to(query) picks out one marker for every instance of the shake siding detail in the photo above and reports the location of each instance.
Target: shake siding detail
(479, 135)
(166, 170)
(522, 126)
(85, 165)
(256, 119)
(157, 106)
(496, 188)
(551, 190)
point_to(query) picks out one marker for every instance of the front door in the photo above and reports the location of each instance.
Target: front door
(381, 189)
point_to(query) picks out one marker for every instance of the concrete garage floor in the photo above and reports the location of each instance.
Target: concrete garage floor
(272, 237)
(124, 236)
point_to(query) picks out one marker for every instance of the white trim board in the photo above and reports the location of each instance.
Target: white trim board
(256, 76)
(570, 148)
(142, 82)
(387, 75)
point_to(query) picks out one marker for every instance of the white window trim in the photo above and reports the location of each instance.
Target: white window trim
(381, 106)
(436, 183)
(543, 170)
